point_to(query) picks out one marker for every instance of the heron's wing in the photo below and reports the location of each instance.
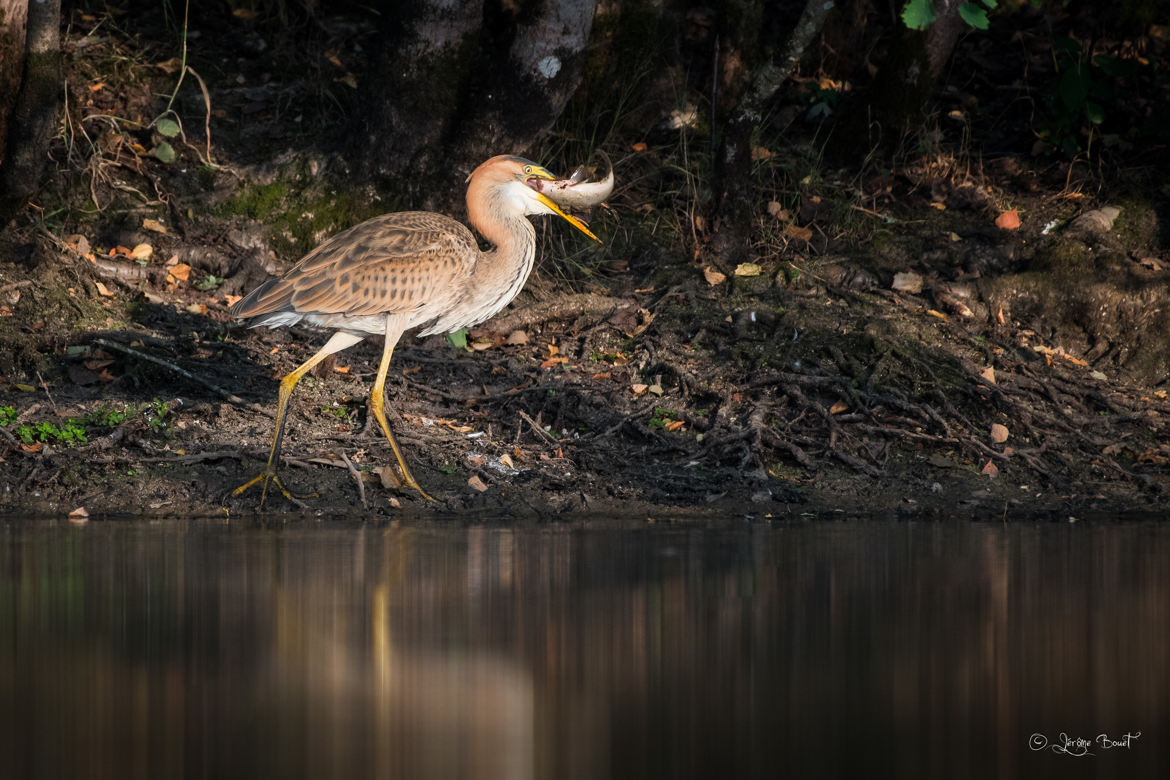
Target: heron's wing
(393, 263)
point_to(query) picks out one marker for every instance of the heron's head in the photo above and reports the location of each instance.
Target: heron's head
(511, 186)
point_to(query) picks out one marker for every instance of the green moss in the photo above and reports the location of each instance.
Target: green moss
(299, 214)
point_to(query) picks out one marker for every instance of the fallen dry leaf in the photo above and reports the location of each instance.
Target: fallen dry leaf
(838, 407)
(935, 313)
(793, 230)
(388, 476)
(1009, 220)
(999, 433)
(196, 308)
(142, 252)
(341, 369)
(748, 269)
(153, 224)
(476, 483)
(639, 389)
(103, 290)
(713, 277)
(674, 426)
(988, 374)
(656, 389)
(603, 375)
(180, 272)
(638, 147)
(934, 204)
(170, 66)
(232, 300)
(506, 460)
(990, 469)
(516, 338)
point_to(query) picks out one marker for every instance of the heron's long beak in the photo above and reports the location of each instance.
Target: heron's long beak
(568, 217)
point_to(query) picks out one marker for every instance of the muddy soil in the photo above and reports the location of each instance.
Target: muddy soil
(911, 358)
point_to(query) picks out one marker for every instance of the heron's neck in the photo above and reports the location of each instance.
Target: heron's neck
(502, 271)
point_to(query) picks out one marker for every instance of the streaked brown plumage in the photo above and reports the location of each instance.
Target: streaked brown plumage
(406, 270)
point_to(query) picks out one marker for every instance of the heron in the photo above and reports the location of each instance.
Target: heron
(411, 269)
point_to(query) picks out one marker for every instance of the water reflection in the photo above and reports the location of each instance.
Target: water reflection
(180, 650)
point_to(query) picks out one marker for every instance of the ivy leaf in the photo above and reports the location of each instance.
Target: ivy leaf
(918, 14)
(973, 15)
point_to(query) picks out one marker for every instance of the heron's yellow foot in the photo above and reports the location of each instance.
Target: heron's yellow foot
(407, 480)
(411, 483)
(265, 477)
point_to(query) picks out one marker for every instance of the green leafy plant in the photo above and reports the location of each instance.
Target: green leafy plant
(156, 416)
(1078, 99)
(209, 282)
(69, 434)
(7, 416)
(920, 14)
(663, 417)
(458, 339)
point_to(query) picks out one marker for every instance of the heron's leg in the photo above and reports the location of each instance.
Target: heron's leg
(378, 399)
(337, 342)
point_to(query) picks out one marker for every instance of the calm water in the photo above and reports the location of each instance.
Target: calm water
(198, 650)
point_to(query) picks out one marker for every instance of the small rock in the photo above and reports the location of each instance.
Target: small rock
(907, 282)
(1097, 221)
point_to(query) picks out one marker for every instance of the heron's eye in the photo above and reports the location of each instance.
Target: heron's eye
(527, 169)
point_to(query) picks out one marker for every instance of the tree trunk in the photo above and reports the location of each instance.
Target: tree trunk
(423, 72)
(461, 80)
(35, 115)
(895, 102)
(527, 84)
(13, 26)
(733, 163)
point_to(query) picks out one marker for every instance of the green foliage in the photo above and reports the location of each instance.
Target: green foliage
(77, 430)
(109, 418)
(1078, 99)
(974, 15)
(156, 414)
(68, 434)
(458, 339)
(168, 128)
(208, 282)
(920, 14)
(164, 152)
(663, 417)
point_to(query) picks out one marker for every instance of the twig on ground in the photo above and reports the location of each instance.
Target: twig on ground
(48, 395)
(536, 427)
(357, 475)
